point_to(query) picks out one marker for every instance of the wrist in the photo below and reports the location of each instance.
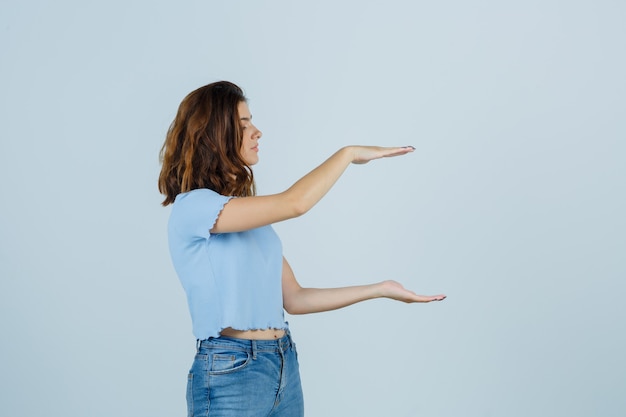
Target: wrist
(348, 152)
(378, 290)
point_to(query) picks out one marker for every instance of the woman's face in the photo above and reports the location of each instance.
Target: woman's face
(251, 135)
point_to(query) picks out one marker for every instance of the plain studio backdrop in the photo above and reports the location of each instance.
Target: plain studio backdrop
(513, 203)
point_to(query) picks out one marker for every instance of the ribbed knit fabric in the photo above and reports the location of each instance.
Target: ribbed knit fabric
(231, 279)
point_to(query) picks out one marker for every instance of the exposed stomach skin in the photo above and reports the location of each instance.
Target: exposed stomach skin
(265, 334)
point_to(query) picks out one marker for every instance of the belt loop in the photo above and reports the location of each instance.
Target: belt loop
(254, 349)
(283, 343)
(198, 345)
(289, 339)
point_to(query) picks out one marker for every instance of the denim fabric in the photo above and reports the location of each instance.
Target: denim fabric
(245, 378)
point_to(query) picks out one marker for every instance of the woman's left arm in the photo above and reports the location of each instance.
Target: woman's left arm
(298, 300)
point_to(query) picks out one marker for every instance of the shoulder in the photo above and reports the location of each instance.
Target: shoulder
(196, 211)
(200, 197)
(199, 194)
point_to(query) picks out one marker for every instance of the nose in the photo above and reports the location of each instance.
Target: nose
(257, 134)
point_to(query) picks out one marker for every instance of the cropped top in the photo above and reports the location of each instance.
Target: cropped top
(231, 279)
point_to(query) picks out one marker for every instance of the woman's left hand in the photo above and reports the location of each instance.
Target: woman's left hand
(395, 291)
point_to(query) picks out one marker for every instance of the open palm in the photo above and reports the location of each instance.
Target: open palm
(395, 291)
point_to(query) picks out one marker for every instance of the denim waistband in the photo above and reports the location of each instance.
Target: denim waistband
(252, 346)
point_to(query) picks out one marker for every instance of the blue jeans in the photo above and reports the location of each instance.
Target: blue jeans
(245, 378)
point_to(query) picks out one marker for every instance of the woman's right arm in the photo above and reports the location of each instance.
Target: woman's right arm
(250, 212)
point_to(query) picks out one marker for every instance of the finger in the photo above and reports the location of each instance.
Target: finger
(429, 298)
(398, 151)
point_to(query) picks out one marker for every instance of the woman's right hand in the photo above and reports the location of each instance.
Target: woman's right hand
(246, 213)
(395, 291)
(364, 154)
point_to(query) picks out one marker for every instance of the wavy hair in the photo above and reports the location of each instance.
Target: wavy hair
(203, 143)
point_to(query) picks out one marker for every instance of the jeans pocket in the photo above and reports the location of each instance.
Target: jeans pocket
(228, 362)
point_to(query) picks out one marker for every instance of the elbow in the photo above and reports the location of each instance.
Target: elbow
(297, 204)
(294, 311)
(299, 209)
(292, 306)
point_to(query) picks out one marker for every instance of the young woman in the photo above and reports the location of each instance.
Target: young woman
(230, 262)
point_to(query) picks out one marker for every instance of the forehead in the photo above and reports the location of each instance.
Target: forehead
(243, 110)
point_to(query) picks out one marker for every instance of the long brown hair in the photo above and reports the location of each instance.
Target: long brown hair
(202, 145)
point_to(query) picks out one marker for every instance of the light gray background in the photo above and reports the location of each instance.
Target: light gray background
(513, 203)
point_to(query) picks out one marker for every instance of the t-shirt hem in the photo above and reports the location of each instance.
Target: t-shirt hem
(284, 326)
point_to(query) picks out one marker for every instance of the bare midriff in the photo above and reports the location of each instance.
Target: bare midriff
(266, 334)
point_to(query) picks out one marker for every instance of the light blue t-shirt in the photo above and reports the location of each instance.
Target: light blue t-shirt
(231, 279)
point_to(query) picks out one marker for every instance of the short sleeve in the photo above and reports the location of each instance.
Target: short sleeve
(194, 213)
